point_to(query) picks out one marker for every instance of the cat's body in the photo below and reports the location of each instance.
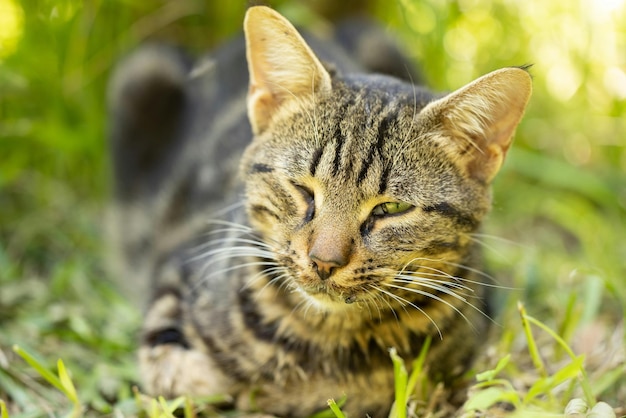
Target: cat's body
(283, 268)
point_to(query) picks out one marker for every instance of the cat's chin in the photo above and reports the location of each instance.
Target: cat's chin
(325, 301)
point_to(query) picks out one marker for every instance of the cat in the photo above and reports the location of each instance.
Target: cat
(292, 220)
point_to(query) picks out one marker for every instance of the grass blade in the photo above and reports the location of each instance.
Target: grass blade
(3, 410)
(401, 377)
(335, 408)
(532, 345)
(418, 367)
(40, 368)
(485, 399)
(66, 382)
(584, 381)
(489, 375)
(189, 411)
(545, 385)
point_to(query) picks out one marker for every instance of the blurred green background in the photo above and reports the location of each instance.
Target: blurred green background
(558, 228)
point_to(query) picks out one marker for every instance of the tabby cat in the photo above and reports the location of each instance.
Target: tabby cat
(284, 253)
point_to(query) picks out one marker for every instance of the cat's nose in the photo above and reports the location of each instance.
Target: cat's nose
(331, 247)
(325, 268)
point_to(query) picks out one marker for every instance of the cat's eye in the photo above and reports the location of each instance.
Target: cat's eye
(309, 198)
(391, 208)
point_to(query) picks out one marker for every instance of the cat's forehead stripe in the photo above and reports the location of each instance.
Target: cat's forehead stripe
(339, 141)
(315, 160)
(375, 149)
(384, 178)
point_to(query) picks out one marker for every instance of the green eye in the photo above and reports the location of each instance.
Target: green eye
(391, 208)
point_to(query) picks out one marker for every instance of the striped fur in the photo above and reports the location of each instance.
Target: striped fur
(287, 255)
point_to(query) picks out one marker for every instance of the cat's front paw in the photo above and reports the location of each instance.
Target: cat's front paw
(171, 369)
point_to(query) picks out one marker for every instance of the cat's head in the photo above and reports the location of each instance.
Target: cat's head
(359, 183)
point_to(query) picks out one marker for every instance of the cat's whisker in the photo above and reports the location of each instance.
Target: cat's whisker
(269, 272)
(443, 274)
(230, 228)
(269, 283)
(206, 273)
(453, 264)
(399, 300)
(437, 287)
(473, 270)
(234, 228)
(419, 280)
(372, 300)
(438, 299)
(483, 244)
(403, 302)
(492, 249)
(459, 297)
(380, 297)
(207, 269)
(299, 306)
(224, 222)
(496, 238)
(309, 305)
(263, 258)
(418, 273)
(239, 237)
(450, 281)
(228, 209)
(367, 305)
(279, 278)
(221, 256)
(232, 251)
(272, 264)
(238, 240)
(286, 282)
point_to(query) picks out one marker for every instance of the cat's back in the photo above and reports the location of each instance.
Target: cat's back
(177, 130)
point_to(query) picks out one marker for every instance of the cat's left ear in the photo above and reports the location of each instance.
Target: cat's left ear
(283, 68)
(476, 123)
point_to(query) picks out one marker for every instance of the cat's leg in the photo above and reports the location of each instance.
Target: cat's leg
(173, 360)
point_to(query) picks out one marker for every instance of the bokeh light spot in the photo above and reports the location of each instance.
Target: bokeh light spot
(11, 26)
(563, 81)
(615, 82)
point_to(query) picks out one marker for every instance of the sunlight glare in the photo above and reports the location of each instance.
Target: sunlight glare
(12, 24)
(608, 6)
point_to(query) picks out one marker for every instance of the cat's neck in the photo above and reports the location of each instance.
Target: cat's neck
(285, 314)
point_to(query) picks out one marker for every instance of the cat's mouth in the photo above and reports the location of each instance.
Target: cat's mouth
(327, 296)
(327, 293)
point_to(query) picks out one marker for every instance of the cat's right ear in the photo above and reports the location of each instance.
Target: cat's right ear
(476, 123)
(283, 68)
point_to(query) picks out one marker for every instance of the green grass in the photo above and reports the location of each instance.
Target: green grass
(556, 236)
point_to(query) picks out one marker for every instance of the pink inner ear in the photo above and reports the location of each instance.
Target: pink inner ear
(260, 104)
(484, 166)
